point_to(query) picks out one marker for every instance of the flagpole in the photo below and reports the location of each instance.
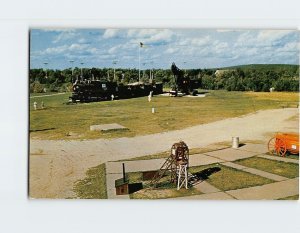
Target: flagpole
(139, 62)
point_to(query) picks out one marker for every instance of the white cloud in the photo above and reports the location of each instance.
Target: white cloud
(226, 30)
(200, 41)
(78, 47)
(150, 35)
(55, 50)
(290, 47)
(220, 47)
(109, 33)
(82, 40)
(65, 35)
(57, 30)
(114, 49)
(261, 38)
(172, 50)
(142, 33)
(272, 35)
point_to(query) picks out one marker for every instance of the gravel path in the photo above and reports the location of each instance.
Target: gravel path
(56, 164)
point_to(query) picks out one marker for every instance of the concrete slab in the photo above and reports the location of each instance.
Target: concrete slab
(272, 191)
(205, 187)
(234, 165)
(107, 127)
(134, 166)
(258, 148)
(208, 196)
(281, 159)
(202, 159)
(231, 154)
(265, 174)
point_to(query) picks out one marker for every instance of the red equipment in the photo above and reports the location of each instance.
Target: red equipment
(283, 142)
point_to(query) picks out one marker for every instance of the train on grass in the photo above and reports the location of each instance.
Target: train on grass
(101, 90)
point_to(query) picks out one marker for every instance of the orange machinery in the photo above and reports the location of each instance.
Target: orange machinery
(282, 143)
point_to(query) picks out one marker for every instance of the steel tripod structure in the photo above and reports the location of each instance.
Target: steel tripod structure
(176, 166)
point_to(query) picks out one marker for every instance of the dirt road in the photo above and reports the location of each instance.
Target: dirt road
(56, 164)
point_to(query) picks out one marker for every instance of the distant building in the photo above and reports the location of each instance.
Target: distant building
(221, 72)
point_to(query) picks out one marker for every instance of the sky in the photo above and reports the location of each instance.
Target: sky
(188, 48)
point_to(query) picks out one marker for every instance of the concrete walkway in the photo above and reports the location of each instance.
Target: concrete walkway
(272, 191)
(206, 187)
(207, 196)
(256, 172)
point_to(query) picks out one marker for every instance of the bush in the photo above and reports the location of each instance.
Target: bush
(36, 87)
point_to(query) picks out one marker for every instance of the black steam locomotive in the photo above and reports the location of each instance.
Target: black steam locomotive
(89, 91)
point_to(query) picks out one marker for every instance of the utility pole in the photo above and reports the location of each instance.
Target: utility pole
(46, 63)
(81, 63)
(71, 61)
(144, 70)
(114, 62)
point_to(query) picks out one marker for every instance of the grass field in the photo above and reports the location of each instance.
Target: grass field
(289, 170)
(93, 186)
(296, 197)
(224, 179)
(61, 121)
(229, 178)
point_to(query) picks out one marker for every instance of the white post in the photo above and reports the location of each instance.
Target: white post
(186, 177)
(235, 142)
(179, 177)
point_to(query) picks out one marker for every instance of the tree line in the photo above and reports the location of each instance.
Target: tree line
(240, 78)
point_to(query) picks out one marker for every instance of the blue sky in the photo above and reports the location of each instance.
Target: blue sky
(188, 48)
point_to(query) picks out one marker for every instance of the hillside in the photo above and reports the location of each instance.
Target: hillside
(264, 67)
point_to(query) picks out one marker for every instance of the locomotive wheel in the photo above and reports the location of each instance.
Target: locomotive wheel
(277, 146)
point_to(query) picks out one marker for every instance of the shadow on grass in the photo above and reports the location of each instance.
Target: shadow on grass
(40, 130)
(203, 175)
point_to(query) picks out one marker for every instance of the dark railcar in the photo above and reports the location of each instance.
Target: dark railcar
(88, 91)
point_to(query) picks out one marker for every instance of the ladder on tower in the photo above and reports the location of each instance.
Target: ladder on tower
(169, 165)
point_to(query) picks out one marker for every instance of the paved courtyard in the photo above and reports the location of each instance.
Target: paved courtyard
(281, 187)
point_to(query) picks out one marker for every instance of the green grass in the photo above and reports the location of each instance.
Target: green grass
(61, 121)
(32, 95)
(164, 189)
(296, 197)
(230, 178)
(289, 170)
(291, 156)
(93, 186)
